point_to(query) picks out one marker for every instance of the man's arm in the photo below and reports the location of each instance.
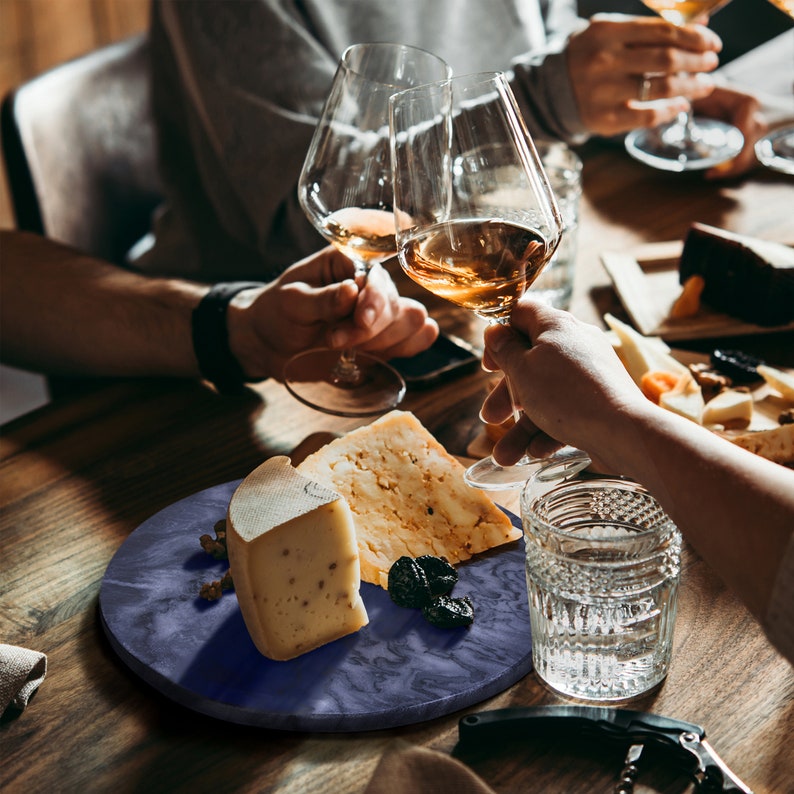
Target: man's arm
(62, 312)
(735, 508)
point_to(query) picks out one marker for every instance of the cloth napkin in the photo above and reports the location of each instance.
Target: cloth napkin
(414, 770)
(21, 673)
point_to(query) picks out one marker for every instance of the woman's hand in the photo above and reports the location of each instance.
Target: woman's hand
(744, 112)
(316, 303)
(567, 379)
(618, 63)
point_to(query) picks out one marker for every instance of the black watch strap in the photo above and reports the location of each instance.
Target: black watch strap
(216, 362)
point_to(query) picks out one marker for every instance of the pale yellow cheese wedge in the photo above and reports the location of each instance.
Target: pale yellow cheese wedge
(407, 495)
(294, 561)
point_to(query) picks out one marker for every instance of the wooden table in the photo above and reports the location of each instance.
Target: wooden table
(79, 475)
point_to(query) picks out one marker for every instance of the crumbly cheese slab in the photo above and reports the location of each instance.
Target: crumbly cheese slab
(775, 444)
(407, 495)
(294, 561)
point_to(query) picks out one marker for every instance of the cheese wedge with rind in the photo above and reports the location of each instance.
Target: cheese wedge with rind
(407, 495)
(294, 561)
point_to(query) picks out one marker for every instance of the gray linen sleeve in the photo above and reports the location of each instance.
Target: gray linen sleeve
(237, 91)
(541, 80)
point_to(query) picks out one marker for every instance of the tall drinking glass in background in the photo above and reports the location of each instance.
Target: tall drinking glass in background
(345, 190)
(563, 167)
(776, 150)
(476, 217)
(688, 143)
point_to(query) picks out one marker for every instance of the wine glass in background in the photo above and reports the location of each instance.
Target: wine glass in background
(688, 143)
(476, 218)
(776, 150)
(345, 191)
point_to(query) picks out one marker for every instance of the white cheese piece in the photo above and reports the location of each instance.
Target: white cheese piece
(729, 408)
(294, 561)
(685, 398)
(779, 380)
(641, 354)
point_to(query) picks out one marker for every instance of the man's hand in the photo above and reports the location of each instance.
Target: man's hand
(316, 303)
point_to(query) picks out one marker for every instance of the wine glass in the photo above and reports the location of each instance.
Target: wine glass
(345, 190)
(688, 143)
(776, 150)
(475, 215)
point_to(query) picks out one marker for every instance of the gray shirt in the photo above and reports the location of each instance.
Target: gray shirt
(238, 87)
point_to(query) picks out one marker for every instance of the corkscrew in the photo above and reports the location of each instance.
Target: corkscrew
(685, 743)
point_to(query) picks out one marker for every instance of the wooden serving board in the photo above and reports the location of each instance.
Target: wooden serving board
(646, 281)
(397, 670)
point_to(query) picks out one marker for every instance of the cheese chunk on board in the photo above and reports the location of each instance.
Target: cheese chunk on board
(294, 560)
(641, 354)
(775, 444)
(730, 408)
(407, 495)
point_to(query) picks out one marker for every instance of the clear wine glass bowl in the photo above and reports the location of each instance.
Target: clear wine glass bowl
(688, 143)
(476, 219)
(345, 190)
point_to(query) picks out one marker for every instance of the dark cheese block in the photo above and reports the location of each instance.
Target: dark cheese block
(745, 277)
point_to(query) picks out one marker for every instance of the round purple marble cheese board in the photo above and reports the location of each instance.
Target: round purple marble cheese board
(398, 670)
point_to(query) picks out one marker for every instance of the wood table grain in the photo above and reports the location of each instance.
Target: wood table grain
(79, 475)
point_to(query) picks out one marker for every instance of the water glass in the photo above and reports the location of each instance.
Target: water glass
(602, 565)
(564, 170)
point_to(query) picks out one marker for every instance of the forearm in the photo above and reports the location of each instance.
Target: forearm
(734, 507)
(66, 313)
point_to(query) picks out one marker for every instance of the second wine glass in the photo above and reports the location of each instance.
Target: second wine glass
(687, 143)
(476, 218)
(345, 190)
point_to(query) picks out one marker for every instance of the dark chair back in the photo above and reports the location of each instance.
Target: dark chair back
(80, 154)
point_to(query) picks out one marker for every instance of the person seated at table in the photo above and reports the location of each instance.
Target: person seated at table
(65, 313)
(734, 507)
(238, 88)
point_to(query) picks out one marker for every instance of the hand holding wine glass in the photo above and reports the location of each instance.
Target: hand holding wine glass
(345, 190)
(476, 217)
(688, 143)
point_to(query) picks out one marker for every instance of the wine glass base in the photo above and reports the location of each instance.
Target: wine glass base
(776, 150)
(488, 475)
(312, 377)
(668, 148)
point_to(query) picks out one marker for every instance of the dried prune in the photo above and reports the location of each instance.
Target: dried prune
(408, 585)
(447, 612)
(441, 576)
(738, 366)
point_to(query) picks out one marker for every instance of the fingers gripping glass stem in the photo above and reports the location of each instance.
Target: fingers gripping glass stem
(345, 191)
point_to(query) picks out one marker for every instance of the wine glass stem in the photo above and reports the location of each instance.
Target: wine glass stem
(347, 372)
(687, 120)
(516, 406)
